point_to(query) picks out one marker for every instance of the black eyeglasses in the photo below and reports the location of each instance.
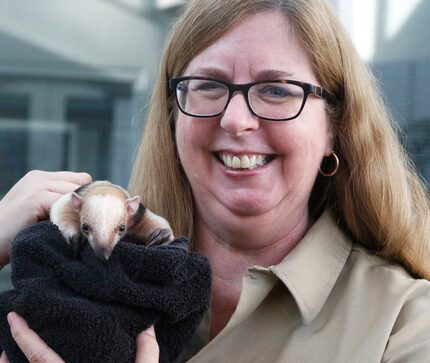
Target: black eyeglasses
(273, 100)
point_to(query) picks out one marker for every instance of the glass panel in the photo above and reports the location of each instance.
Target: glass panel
(93, 119)
(14, 112)
(405, 85)
(14, 106)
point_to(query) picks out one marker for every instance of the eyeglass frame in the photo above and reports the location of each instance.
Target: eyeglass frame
(308, 88)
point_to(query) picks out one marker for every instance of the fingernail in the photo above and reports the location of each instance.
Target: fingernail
(151, 331)
(11, 318)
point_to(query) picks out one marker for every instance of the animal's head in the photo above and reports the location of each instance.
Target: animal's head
(103, 219)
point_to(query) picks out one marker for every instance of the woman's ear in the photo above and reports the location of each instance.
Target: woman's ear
(329, 147)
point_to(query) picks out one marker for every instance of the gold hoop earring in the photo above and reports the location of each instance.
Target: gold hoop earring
(335, 163)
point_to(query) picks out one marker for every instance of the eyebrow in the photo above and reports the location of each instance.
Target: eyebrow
(273, 74)
(211, 72)
(261, 75)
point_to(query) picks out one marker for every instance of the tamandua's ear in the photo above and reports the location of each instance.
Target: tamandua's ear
(76, 201)
(132, 204)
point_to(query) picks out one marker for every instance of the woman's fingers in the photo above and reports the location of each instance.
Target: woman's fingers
(76, 178)
(147, 347)
(36, 181)
(33, 347)
(30, 200)
(28, 195)
(37, 351)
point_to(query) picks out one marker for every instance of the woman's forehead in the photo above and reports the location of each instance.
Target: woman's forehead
(261, 46)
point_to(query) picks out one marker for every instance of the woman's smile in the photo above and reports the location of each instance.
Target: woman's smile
(244, 161)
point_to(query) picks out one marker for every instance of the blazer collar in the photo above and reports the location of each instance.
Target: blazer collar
(312, 268)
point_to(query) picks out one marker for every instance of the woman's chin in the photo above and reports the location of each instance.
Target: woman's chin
(247, 207)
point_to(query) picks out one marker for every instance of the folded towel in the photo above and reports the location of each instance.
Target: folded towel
(88, 310)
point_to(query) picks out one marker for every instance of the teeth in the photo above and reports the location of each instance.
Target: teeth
(236, 163)
(243, 161)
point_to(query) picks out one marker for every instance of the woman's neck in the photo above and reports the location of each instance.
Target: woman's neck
(230, 257)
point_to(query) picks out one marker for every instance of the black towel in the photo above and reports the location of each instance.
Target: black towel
(91, 311)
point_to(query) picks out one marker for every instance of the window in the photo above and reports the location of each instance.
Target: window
(14, 113)
(93, 120)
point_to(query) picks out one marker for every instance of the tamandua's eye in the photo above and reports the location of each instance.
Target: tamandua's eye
(121, 228)
(85, 227)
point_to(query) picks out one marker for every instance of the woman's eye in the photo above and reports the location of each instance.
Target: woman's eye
(275, 92)
(208, 86)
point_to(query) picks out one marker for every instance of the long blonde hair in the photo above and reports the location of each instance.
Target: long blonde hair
(377, 196)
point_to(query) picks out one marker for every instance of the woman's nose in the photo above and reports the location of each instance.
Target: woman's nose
(237, 118)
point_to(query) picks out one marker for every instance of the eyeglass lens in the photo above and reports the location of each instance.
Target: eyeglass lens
(271, 100)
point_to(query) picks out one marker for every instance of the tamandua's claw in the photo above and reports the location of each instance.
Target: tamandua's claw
(159, 236)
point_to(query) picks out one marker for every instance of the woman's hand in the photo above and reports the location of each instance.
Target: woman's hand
(148, 350)
(34, 348)
(37, 351)
(29, 201)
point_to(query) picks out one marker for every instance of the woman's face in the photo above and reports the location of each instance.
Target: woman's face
(261, 47)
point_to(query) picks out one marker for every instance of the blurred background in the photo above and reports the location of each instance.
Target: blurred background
(76, 76)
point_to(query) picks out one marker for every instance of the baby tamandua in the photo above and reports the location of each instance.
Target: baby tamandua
(103, 213)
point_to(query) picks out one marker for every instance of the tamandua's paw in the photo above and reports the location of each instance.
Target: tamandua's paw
(160, 236)
(151, 228)
(156, 229)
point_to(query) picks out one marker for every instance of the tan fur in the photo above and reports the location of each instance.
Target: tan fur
(65, 217)
(70, 215)
(103, 188)
(103, 207)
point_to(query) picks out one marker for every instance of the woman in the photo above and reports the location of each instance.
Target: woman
(273, 151)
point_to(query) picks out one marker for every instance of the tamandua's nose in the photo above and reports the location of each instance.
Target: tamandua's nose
(102, 253)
